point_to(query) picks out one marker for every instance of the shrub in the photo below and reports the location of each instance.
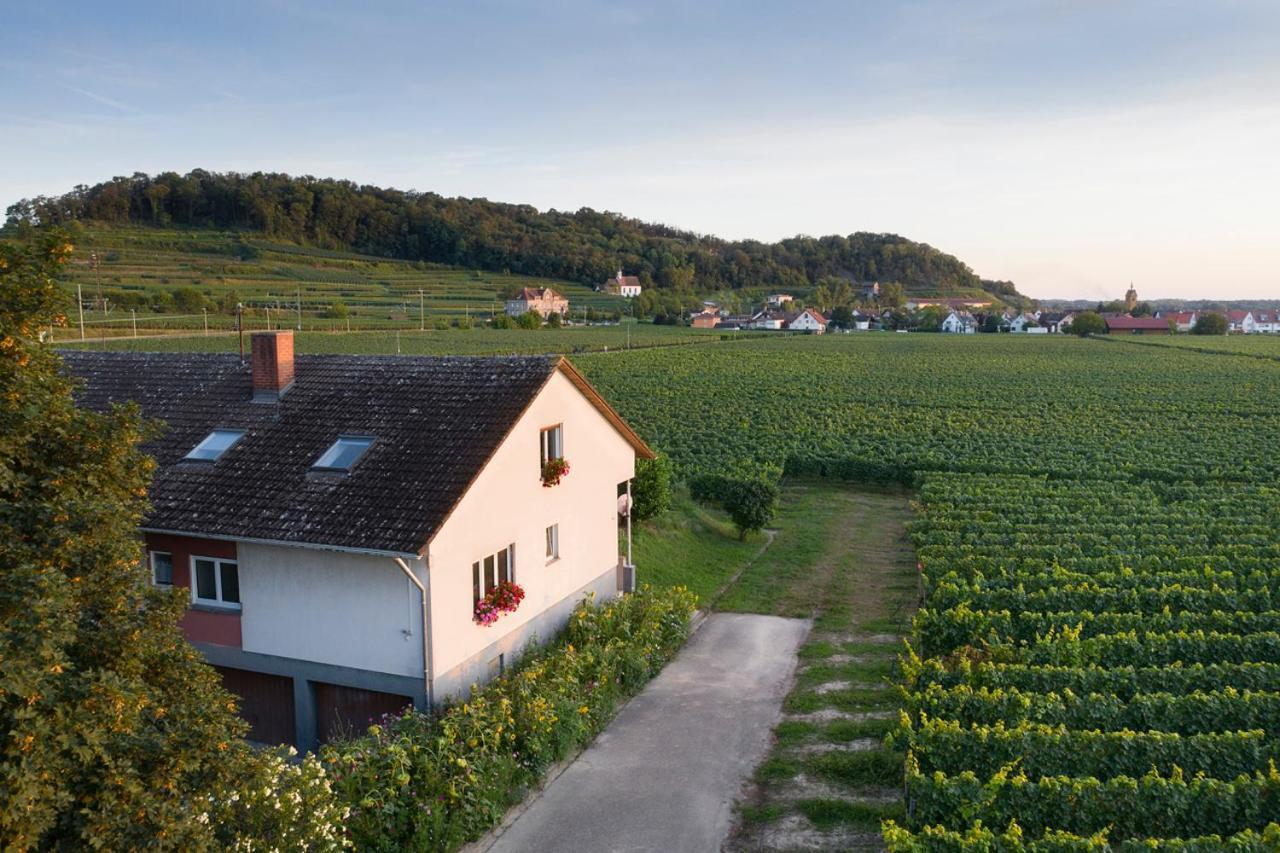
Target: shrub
(1088, 323)
(651, 488)
(529, 320)
(751, 505)
(432, 782)
(1210, 324)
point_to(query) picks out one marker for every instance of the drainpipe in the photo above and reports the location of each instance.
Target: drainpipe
(426, 632)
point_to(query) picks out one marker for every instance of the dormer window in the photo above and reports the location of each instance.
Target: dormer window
(344, 453)
(214, 445)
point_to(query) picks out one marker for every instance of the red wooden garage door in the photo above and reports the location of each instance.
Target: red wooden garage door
(266, 702)
(350, 710)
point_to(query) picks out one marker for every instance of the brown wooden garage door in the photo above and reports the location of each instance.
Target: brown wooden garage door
(350, 710)
(266, 702)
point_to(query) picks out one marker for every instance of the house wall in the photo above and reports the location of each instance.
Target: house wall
(199, 624)
(508, 504)
(331, 607)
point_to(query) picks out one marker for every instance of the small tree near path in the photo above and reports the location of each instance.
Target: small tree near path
(751, 505)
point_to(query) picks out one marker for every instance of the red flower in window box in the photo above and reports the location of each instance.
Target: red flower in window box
(503, 598)
(554, 470)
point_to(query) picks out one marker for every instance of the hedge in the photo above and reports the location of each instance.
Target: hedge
(435, 781)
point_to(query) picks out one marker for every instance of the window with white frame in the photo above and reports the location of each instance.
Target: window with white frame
(553, 543)
(162, 568)
(494, 569)
(552, 443)
(215, 582)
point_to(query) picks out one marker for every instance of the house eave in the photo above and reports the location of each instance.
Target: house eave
(315, 546)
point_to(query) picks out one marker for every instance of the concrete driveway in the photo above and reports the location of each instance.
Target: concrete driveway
(665, 774)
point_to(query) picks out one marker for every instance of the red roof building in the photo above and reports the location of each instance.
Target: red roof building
(1124, 324)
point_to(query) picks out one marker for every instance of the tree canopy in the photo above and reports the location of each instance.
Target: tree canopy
(586, 245)
(117, 734)
(1210, 324)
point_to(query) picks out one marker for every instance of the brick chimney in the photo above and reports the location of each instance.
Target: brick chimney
(272, 365)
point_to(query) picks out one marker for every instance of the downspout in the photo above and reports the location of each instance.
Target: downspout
(426, 632)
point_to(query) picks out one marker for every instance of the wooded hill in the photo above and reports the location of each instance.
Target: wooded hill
(587, 246)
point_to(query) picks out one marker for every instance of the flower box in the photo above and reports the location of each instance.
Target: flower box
(553, 471)
(503, 598)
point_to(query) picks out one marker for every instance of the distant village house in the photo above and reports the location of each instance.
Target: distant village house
(623, 285)
(540, 300)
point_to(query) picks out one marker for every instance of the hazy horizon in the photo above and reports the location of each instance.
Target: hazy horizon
(1069, 147)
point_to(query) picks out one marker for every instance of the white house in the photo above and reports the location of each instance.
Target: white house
(1242, 322)
(959, 323)
(807, 320)
(343, 524)
(778, 300)
(623, 285)
(770, 320)
(1266, 322)
(1183, 321)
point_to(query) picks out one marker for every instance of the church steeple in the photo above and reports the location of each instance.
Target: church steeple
(1130, 298)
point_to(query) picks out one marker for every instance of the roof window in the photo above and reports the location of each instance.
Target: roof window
(344, 453)
(214, 445)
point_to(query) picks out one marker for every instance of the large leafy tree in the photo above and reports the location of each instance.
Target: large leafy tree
(115, 733)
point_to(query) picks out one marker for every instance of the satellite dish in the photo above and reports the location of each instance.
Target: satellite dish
(624, 505)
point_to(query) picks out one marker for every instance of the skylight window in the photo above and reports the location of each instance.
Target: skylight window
(215, 444)
(344, 453)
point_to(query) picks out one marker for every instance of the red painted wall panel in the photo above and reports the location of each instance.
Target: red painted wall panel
(200, 625)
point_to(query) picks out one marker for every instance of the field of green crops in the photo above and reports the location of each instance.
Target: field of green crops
(378, 292)
(1258, 346)
(1096, 663)
(478, 341)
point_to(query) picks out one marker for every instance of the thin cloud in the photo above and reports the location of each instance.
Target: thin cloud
(103, 99)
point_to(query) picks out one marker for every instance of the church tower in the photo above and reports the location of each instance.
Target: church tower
(1130, 298)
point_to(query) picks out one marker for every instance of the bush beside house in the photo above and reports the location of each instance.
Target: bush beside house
(434, 782)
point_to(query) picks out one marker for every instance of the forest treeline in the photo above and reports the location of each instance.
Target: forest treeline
(586, 245)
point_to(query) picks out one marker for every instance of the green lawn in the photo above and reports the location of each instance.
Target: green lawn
(692, 546)
(840, 557)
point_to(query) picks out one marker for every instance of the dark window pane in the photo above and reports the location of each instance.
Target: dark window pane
(489, 581)
(230, 583)
(504, 573)
(162, 564)
(206, 586)
(476, 592)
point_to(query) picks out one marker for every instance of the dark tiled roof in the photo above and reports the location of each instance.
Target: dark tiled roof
(436, 422)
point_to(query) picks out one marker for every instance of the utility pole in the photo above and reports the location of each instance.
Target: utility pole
(422, 313)
(240, 327)
(134, 312)
(299, 308)
(80, 305)
(268, 310)
(97, 275)
(205, 312)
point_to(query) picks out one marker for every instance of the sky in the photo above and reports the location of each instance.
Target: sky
(1071, 146)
